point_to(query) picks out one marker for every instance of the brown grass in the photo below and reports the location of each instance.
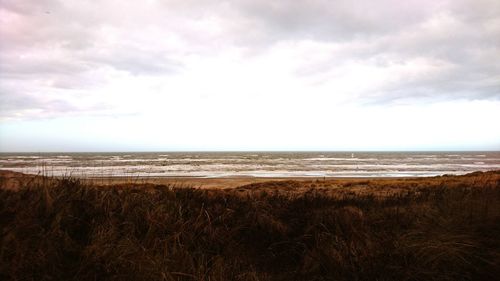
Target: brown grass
(445, 228)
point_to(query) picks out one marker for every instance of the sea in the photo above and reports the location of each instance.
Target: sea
(251, 164)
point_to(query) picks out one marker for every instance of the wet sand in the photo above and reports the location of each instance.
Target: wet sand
(14, 180)
(209, 183)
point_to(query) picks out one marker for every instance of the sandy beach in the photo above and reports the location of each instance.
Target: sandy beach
(375, 185)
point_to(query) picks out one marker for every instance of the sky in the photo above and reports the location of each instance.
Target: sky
(152, 75)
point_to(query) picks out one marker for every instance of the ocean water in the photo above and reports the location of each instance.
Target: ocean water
(253, 164)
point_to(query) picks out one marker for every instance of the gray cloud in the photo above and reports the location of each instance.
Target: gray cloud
(137, 61)
(52, 50)
(461, 37)
(13, 106)
(331, 20)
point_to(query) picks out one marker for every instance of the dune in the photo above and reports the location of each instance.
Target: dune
(439, 228)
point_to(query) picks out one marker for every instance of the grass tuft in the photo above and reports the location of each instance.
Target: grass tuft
(67, 230)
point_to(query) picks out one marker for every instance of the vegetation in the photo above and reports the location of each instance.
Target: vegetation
(66, 230)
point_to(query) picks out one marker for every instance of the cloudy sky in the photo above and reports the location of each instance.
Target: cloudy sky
(114, 75)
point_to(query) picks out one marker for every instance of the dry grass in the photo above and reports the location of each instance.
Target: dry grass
(447, 228)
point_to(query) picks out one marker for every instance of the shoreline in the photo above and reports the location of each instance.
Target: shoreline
(13, 180)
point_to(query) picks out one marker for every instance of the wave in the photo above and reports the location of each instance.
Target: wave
(252, 164)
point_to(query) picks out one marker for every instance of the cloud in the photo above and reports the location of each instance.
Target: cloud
(331, 20)
(59, 58)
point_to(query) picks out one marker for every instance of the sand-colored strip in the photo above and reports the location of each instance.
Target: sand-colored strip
(14, 180)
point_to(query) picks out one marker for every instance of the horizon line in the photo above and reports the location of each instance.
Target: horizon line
(246, 151)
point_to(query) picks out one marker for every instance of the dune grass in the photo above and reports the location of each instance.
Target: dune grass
(67, 230)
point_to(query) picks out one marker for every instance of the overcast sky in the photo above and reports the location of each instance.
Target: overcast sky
(114, 75)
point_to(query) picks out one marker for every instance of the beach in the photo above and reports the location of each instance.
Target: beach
(15, 180)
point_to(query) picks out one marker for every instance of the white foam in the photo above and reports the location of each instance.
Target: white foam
(257, 165)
